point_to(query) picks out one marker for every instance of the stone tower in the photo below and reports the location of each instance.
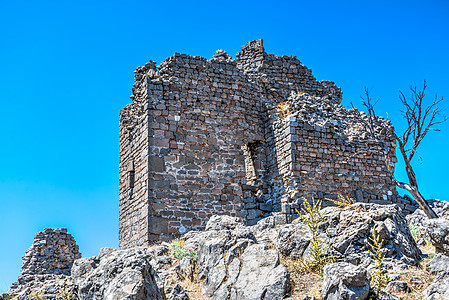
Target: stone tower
(240, 137)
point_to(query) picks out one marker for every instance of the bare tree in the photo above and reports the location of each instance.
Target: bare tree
(420, 121)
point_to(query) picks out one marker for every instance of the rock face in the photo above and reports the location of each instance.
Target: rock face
(438, 232)
(439, 288)
(439, 263)
(117, 274)
(345, 281)
(348, 232)
(234, 265)
(47, 263)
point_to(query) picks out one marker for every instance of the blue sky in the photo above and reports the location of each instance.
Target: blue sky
(66, 69)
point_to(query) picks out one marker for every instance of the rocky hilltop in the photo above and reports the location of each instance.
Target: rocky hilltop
(269, 260)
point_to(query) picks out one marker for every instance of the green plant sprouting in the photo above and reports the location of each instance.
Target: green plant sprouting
(415, 230)
(178, 250)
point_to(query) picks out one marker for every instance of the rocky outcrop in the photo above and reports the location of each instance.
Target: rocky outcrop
(438, 232)
(117, 274)
(345, 281)
(439, 288)
(439, 263)
(234, 265)
(348, 233)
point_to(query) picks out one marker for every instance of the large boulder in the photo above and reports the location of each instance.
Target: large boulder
(438, 232)
(234, 265)
(345, 281)
(117, 274)
(439, 288)
(350, 232)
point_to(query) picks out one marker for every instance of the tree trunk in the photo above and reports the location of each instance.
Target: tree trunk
(418, 198)
(412, 187)
(423, 204)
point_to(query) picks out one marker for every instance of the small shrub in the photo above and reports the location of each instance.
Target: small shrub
(311, 215)
(39, 295)
(378, 278)
(178, 250)
(415, 230)
(283, 110)
(65, 293)
(345, 202)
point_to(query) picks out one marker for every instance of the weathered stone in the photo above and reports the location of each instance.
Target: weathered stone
(177, 293)
(119, 274)
(398, 286)
(348, 233)
(234, 266)
(47, 263)
(344, 281)
(438, 232)
(440, 263)
(439, 288)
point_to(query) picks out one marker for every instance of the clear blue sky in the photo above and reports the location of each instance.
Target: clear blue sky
(66, 69)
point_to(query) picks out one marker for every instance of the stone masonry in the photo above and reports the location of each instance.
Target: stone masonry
(50, 256)
(240, 137)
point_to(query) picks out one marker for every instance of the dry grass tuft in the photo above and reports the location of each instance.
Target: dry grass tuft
(193, 289)
(345, 203)
(283, 110)
(303, 284)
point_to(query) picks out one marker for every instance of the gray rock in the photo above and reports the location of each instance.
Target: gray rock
(439, 263)
(348, 232)
(344, 281)
(439, 288)
(292, 240)
(119, 274)
(261, 275)
(234, 266)
(386, 296)
(438, 232)
(177, 293)
(186, 268)
(397, 286)
(221, 222)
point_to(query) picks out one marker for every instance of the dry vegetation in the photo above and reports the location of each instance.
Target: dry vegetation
(302, 283)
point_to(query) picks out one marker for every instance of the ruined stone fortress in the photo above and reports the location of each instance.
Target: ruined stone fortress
(245, 137)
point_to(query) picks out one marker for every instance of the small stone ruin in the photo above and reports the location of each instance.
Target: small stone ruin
(49, 258)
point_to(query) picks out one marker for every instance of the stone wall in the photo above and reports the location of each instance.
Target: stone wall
(51, 254)
(203, 137)
(325, 151)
